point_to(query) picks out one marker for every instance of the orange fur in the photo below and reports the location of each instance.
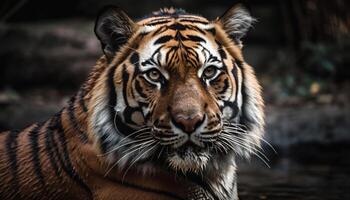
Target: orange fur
(63, 158)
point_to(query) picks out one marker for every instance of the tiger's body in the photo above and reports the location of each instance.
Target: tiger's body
(162, 116)
(55, 160)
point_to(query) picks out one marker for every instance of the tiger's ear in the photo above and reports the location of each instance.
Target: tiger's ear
(236, 21)
(113, 28)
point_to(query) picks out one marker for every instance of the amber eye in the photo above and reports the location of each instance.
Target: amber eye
(209, 72)
(154, 75)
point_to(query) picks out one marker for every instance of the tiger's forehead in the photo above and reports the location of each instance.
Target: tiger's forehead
(184, 18)
(177, 42)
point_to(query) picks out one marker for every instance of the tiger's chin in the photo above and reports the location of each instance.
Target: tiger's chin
(188, 159)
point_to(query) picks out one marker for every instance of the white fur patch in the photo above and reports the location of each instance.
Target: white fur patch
(191, 162)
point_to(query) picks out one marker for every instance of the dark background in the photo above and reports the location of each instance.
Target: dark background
(299, 48)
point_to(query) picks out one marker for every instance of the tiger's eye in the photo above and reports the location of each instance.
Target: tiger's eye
(154, 75)
(209, 72)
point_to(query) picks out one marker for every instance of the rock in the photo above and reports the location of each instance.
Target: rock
(47, 54)
(324, 124)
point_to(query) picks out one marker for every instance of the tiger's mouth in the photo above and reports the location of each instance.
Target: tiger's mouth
(188, 148)
(189, 157)
(189, 153)
(182, 151)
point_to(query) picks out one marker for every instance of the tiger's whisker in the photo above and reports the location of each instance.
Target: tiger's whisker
(139, 157)
(227, 134)
(259, 137)
(160, 152)
(125, 144)
(135, 148)
(253, 148)
(251, 151)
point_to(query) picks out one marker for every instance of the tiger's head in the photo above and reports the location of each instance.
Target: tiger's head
(175, 89)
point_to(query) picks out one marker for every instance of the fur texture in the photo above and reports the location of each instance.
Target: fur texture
(163, 115)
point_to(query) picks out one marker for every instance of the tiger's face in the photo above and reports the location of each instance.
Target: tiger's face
(176, 88)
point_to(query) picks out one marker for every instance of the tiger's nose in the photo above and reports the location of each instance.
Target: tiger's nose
(188, 123)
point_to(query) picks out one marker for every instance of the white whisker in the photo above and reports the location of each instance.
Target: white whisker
(139, 157)
(135, 148)
(246, 148)
(126, 144)
(238, 141)
(236, 127)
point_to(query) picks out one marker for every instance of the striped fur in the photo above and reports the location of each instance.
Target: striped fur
(162, 116)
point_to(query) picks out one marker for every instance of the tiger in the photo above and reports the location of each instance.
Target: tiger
(164, 114)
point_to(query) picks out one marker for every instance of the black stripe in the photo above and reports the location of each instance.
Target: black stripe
(221, 51)
(226, 85)
(73, 120)
(177, 26)
(196, 29)
(235, 76)
(33, 137)
(196, 38)
(113, 97)
(63, 157)
(104, 143)
(193, 21)
(142, 35)
(122, 127)
(179, 37)
(212, 31)
(163, 39)
(11, 148)
(160, 30)
(139, 89)
(112, 92)
(158, 22)
(81, 99)
(49, 147)
(147, 62)
(125, 79)
(134, 59)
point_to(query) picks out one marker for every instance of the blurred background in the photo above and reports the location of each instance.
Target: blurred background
(300, 50)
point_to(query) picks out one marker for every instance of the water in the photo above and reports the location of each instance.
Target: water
(309, 172)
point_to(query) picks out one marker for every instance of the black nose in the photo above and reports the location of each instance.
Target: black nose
(188, 123)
